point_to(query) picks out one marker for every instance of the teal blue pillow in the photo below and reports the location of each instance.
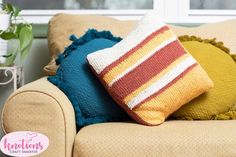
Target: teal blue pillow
(92, 104)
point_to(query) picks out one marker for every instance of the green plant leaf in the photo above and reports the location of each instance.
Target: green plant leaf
(11, 9)
(18, 28)
(10, 60)
(6, 56)
(7, 35)
(21, 31)
(25, 39)
(16, 11)
(6, 8)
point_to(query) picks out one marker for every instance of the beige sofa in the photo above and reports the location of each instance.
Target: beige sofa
(40, 106)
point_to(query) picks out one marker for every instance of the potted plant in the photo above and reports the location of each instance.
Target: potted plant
(4, 24)
(13, 26)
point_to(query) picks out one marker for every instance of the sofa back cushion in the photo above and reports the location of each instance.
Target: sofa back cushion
(61, 26)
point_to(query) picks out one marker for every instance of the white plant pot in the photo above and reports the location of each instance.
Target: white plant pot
(4, 24)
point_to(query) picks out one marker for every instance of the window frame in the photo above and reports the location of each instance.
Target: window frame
(209, 12)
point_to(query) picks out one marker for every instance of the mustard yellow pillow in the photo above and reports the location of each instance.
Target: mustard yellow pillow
(220, 101)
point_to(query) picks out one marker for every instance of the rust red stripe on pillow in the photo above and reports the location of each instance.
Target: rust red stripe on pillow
(133, 50)
(155, 95)
(150, 68)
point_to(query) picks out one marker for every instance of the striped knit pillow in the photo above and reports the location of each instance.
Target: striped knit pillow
(149, 73)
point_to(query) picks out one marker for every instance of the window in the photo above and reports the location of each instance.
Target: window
(173, 11)
(82, 4)
(40, 11)
(213, 4)
(205, 11)
(212, 7)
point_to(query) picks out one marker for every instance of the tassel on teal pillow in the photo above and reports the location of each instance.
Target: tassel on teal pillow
(92, 104)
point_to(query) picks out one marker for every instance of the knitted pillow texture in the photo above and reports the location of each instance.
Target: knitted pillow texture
(220, 102)
(149, 74)
(92, 104)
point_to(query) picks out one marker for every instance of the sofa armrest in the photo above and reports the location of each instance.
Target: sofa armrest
(40, 106)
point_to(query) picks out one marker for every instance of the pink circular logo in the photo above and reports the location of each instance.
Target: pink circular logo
(24, 143)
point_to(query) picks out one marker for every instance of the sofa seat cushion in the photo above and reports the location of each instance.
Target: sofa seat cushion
(172, 139)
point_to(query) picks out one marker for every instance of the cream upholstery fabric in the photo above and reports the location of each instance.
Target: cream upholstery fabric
(61, 26)
(212, 30)
(171, 139)
(40, 106)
